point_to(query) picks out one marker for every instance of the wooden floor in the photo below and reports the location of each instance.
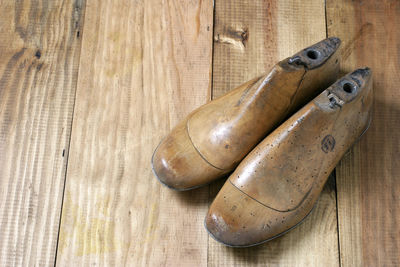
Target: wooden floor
(88, 88)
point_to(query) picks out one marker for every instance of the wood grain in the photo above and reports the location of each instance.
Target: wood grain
(249, 37)
(367, 179)
(144, 66)
(39, 56)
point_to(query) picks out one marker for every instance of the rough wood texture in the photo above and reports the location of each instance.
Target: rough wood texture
(145, 65)
(368, 178)
(249, 37)
(39, 57)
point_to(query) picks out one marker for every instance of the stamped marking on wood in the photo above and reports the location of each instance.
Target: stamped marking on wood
(328, 143)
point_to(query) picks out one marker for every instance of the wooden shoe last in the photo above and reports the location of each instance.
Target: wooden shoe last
(279, 181)
(214, 138)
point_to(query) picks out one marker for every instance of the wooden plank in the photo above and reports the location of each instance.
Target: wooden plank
(145, 65)
(249, 37)
(39, 59)
(368, 178)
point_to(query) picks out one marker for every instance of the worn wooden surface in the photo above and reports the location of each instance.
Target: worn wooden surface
(147, 64)
(269, 31)
(39, 60)
(368, 178)
(141, 67)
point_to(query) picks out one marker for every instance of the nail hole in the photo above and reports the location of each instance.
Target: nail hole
(38, 54)
(312, 54)
(348, 88)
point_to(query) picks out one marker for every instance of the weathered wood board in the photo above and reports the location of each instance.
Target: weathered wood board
(249, 38)
(39, 60)
(144, 66)
(368, 177)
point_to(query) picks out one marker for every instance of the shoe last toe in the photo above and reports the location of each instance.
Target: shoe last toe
(178, 165)
(237, 220)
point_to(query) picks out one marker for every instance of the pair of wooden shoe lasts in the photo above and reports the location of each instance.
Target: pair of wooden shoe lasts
(279, 169)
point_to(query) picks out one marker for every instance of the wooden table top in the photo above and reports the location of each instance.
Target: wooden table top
(88, 89)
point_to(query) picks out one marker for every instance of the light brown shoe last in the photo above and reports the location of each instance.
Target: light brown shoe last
(279, 181)
(214, 138)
